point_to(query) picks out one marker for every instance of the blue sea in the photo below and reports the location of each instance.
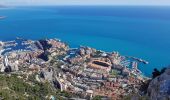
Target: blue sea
(139, 31)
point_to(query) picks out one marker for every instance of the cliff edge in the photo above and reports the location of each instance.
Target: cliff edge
(159, 87)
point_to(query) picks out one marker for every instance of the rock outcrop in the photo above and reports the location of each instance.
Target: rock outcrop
(159, 88)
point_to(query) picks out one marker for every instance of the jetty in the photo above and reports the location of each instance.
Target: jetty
(138, 59)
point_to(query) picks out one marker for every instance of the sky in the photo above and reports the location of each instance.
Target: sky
(84, 2)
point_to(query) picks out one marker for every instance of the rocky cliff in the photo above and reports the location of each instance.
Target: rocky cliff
(159, 87)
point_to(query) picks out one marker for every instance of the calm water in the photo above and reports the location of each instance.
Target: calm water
(143, 32)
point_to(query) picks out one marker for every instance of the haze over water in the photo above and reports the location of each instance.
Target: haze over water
(142, 32)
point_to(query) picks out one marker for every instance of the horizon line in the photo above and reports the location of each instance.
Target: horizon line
(85, 5)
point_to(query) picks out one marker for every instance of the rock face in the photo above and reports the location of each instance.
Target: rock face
(159, 88)
(43, 45)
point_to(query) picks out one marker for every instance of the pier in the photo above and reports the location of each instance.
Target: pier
(138, 59)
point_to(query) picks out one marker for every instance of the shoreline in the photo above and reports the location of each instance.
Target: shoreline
(25, 42)
(79, 69)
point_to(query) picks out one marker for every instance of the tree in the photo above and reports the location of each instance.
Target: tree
(156, 72)
(97, 98)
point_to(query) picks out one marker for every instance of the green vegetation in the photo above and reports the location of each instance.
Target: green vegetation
(14, 88)
(156, 72)
(144, 86)
(97, 98)
(114, 72)
(97, 53)
(55, 62)
(132, 75)
(64, 94)
(135, 97)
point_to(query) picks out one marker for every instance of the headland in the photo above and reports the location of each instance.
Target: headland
(84, 71)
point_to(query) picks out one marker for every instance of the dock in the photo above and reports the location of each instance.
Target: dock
(138, 59)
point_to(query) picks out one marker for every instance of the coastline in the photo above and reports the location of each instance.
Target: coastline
(82, 69)
(2, 17)
(20, 44)
(85, 31)
(113, 63)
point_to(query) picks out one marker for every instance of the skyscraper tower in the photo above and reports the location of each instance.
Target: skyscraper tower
(6, 61)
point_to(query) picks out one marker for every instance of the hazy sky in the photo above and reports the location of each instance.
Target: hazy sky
(85, 2)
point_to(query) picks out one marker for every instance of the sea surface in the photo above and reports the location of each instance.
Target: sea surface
(139, 31)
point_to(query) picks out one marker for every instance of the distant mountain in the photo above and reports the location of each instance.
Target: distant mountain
(2, 17)
(2, 6)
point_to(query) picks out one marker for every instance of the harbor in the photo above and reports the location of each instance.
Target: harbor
(83, 70)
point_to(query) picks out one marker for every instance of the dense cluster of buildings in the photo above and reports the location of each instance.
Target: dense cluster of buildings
(101, 73)
(84, 71)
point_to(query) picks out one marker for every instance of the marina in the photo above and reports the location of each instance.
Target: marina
(75, 65)
(77, 29)
(84, 50)
(138, 59)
